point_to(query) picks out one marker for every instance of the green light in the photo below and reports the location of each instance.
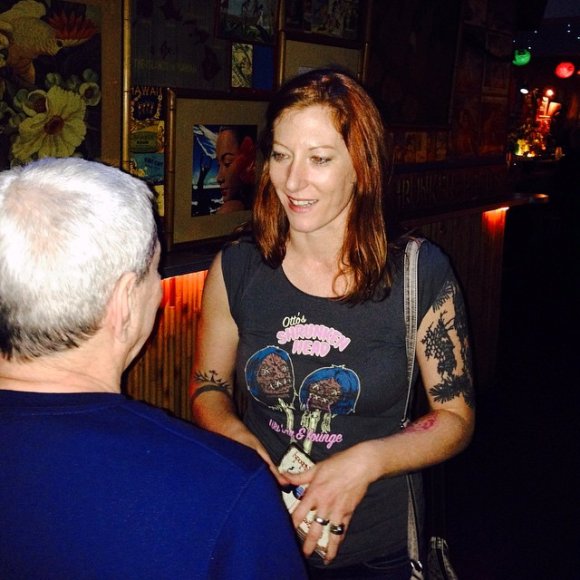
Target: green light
(521, 57)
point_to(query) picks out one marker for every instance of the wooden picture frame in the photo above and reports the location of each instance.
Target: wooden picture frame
(334, 22)
(85, 80)
(184, 110)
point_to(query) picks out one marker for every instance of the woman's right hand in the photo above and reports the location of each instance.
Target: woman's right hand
(247, 438)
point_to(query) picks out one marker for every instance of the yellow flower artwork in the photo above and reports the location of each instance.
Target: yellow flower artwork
(50, 94)
(55, 132)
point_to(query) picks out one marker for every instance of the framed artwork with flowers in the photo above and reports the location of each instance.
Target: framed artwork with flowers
(61, 81)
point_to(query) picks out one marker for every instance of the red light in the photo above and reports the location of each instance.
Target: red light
(494, 220)
(565, 70)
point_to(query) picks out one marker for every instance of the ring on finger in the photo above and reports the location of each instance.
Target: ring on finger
(321, 521)
(336, 529)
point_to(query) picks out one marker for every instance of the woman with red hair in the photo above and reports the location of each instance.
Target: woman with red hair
(305, 315)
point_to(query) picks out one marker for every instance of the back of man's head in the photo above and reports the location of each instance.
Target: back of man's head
(69, 228)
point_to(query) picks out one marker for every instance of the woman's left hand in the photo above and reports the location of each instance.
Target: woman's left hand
(335, 488)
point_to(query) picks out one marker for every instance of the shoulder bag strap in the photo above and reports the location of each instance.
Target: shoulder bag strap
(410, 308)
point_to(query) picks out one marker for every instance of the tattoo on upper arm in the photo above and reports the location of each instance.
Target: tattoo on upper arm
(455, 381)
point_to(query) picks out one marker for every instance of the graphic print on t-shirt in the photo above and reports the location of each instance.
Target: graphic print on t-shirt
(324, 393)
(327, 392)
(270, 380)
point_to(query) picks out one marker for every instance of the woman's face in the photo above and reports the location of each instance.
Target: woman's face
(228, 176)
(312, 171)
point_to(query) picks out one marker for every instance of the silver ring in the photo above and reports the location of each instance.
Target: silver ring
(336, 529)
(321, 521)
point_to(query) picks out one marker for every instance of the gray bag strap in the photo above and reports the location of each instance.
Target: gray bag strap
(410, 308)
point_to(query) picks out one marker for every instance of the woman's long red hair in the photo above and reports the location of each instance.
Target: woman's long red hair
(364, 252)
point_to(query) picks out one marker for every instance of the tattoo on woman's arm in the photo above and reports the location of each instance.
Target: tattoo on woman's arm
(212, 383)
(423, 424)
(438, 344)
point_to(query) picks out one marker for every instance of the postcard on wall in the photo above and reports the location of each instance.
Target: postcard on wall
(252, 67)
(147, 138)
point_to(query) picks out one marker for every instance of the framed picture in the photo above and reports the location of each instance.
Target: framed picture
(470, 60)
(301, 56)
(213, 143)
(338, 22)
(173, 44)
(411, 61)
(497, 74)
(64, 95)
(247, 20)
(494, 120)
(466, 126)
(147, 138)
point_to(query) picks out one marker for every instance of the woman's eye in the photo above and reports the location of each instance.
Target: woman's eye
(276, 156)
(317, 160)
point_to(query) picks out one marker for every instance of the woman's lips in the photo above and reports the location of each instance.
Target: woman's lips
(301, 203)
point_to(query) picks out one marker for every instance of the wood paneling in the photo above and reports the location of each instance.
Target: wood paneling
(474, 244)
(160, 375)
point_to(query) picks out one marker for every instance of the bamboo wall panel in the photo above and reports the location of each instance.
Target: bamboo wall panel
(160, 375)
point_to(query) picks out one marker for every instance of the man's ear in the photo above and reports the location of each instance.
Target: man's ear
(121, 305)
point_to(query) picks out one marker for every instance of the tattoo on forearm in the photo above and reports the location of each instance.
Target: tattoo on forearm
(438, 344)
(423, 424)
(211, 378)
(210, 382)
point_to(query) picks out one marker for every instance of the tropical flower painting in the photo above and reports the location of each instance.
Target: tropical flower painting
(50, 89)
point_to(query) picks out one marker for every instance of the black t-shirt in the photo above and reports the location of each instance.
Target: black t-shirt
(327, 375)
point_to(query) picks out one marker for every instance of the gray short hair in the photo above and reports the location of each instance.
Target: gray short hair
(69, 228)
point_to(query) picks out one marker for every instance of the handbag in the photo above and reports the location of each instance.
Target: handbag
(439, 565)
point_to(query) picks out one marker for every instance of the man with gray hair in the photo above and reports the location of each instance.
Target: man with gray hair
(92, 484)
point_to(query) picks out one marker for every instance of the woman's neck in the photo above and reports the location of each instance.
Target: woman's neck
(314, 267)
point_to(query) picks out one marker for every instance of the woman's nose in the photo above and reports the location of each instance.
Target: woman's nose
(295, 178)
